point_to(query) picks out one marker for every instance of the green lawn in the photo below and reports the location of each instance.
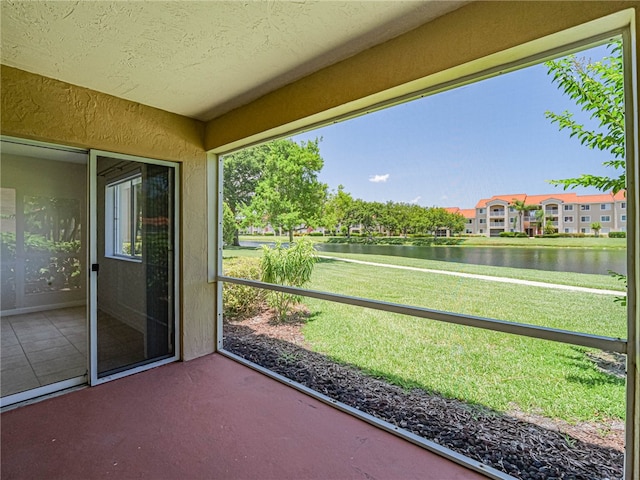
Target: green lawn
(497, 370)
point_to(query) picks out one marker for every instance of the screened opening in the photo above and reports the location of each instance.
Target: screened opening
(432, 249)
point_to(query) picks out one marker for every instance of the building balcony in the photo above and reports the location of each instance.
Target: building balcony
(208, 418)
(497, 224)
(500, 213)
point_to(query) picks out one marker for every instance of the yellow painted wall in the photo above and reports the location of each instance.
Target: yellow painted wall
(43, 109)
(464, 35)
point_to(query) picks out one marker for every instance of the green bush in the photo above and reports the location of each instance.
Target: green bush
(242, 301)
(617, 234)
(448, 241)
(423, 242)
(507, 234)
(291, 266)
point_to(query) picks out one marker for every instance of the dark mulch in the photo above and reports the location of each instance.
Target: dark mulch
(522, 449)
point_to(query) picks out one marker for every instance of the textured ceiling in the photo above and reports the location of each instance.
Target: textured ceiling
(198, 59)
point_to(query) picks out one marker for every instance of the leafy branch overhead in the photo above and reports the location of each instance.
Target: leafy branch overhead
(597, 88)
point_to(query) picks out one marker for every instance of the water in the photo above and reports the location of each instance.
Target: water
(555, 259)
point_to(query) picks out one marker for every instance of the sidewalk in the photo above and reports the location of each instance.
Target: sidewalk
(488, 278)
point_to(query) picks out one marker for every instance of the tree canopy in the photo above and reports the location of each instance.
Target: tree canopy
(289, 194)
(597, 88)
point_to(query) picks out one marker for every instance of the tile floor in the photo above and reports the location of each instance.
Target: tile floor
(51, 346)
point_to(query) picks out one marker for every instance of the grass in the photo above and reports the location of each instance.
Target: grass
(562, 278)
(497, 370)
(585, 242)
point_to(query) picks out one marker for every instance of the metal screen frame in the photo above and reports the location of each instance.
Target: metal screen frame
(629, 346)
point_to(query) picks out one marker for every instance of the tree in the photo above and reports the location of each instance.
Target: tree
(520, 207)
(549, 228)
(289, 194)
(437, 218)
(597, 88)
(409, 217)
(367, 215)
(242, 171)
(539, 220)
(336, 209)
(229, 226)
(595, 226)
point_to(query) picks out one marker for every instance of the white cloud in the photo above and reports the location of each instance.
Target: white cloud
(379, 178)
(415, 200)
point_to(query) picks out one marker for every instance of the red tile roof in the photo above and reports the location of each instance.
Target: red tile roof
(562, 197)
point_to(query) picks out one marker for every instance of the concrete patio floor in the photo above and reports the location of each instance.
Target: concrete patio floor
(210, 418)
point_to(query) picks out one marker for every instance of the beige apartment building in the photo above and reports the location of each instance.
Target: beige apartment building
(566, 212)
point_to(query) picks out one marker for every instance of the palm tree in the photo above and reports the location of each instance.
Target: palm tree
(596, 228)
(539, 220)
(520, 207)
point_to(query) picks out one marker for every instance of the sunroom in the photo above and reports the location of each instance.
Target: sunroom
(116, 118)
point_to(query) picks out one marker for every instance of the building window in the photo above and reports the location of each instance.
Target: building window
(568, 219)
(586, 218)
(123, 233)
(481, 210)
(482, 220)
(585, 207)
(568, 208)
(623, 218)
(605, 218)
(623, 205)
(604, 206)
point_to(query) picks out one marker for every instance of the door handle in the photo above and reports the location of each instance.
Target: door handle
(95, 267)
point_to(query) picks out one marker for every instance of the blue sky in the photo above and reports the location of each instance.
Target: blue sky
(456, 147)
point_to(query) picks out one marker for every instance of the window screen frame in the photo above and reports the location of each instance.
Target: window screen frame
(595, 34)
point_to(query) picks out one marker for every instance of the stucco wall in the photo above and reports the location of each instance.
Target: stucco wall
(465, 35)
(48, 110)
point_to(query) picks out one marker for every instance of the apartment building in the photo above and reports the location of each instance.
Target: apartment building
(565, 212)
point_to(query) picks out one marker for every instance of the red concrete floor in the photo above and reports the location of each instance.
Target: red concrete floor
(210, 418)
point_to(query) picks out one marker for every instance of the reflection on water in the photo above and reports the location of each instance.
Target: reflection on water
(555, 259)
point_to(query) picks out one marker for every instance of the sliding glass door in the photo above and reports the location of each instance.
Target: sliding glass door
(43, 210)
(133, 318)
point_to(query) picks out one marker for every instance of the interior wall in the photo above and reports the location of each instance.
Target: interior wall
(43, 109)
(418, 57)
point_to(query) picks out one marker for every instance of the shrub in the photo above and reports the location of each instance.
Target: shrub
(507, 234)
(291, 266)
(242, 301)
(617, 234)
(448, 241)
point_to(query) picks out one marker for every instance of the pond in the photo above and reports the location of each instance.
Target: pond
(580, 260)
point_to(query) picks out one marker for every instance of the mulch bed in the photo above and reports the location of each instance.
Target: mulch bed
(520, 448)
